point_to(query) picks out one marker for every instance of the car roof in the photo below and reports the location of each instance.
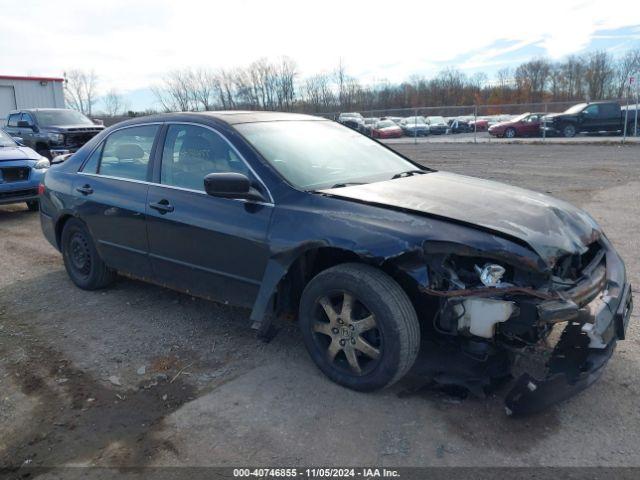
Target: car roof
(231, 117)
(38, 110)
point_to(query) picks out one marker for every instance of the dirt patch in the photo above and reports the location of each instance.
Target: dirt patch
(81, 419)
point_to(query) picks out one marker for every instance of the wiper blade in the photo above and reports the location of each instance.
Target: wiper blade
(408, 173)
(346, 184)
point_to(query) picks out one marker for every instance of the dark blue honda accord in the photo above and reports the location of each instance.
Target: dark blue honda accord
(390, 268)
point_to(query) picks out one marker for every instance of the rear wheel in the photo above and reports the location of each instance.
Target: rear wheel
(33, 205)
(359, 326)
(81, 259)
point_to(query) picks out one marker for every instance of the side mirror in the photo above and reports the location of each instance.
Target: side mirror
(24, 124)
(231, 185)
(60, 158)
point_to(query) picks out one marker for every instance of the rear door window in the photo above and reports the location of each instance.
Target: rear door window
(13, 120)
(125, 153)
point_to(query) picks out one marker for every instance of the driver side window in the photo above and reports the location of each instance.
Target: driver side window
(190, 153)
(591, 111)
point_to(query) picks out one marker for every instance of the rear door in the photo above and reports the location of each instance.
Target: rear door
(111, 192)
(211, 247)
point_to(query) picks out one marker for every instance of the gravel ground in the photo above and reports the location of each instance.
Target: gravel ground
(138, 375)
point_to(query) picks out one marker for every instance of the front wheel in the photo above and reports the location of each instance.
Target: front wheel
(359, 326)
(510, 133)
(81, 260)
(569, 131)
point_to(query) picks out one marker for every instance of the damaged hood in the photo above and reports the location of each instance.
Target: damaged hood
(550, 227)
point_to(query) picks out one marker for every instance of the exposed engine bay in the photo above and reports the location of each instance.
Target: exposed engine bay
(552, 333)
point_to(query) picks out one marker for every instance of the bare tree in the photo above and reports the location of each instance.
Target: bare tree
(114, 104)
(176, 92)
(598, 74)
(80, 90)
(625, 67)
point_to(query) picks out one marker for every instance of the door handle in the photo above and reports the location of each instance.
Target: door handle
(85, 189)
(163, 206)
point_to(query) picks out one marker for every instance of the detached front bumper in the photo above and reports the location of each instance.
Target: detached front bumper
(584, 347)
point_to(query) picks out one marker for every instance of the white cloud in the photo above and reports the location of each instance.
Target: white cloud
(131, 44)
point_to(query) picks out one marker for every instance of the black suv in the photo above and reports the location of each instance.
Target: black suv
(51, 131)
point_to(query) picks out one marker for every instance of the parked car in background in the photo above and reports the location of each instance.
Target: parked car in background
(353, 120)
(21, 172)
(368, 124)
(525, 125)
(395, 120)
(386, 129)
(414, 126)
(479, 125)
(388, 266)
(437, 125)
(588, 117)
(51, 131)
(459, 126)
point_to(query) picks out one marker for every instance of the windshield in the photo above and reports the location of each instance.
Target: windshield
(6, 140)
(385, 124)
(49, 118)
(436, 120)
(350, 115)
(576, 108)
(312, 155)
(519, 118)
(412, 120)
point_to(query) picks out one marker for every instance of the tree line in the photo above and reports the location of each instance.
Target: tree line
(278, 85)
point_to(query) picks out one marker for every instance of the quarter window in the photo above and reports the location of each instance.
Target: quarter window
(190, 153)
(126, 153)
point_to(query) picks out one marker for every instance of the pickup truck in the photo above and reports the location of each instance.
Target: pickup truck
(51, 131)
(588, 117)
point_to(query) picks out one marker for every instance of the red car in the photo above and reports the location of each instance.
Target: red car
(386, 129)
(526, 125)
(479, 125)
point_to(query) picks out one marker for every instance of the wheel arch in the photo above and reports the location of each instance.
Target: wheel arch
(282, 285)
(60, 223)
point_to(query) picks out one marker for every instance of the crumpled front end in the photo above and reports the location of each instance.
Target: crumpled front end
(552, 332)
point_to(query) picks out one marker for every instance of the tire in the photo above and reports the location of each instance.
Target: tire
(33, 205)
(391, 327)
(81, 260)
(510, 133)
(569, 130)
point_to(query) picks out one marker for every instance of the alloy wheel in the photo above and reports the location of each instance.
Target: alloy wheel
(348, 332)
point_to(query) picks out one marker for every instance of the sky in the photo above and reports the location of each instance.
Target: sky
(131, 44)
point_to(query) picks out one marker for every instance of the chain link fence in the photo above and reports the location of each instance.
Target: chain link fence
(472, 123)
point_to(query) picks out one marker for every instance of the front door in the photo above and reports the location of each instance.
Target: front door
(111, 192)
(207, 246)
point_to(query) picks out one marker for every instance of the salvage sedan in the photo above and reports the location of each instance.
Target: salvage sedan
(389, 267)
